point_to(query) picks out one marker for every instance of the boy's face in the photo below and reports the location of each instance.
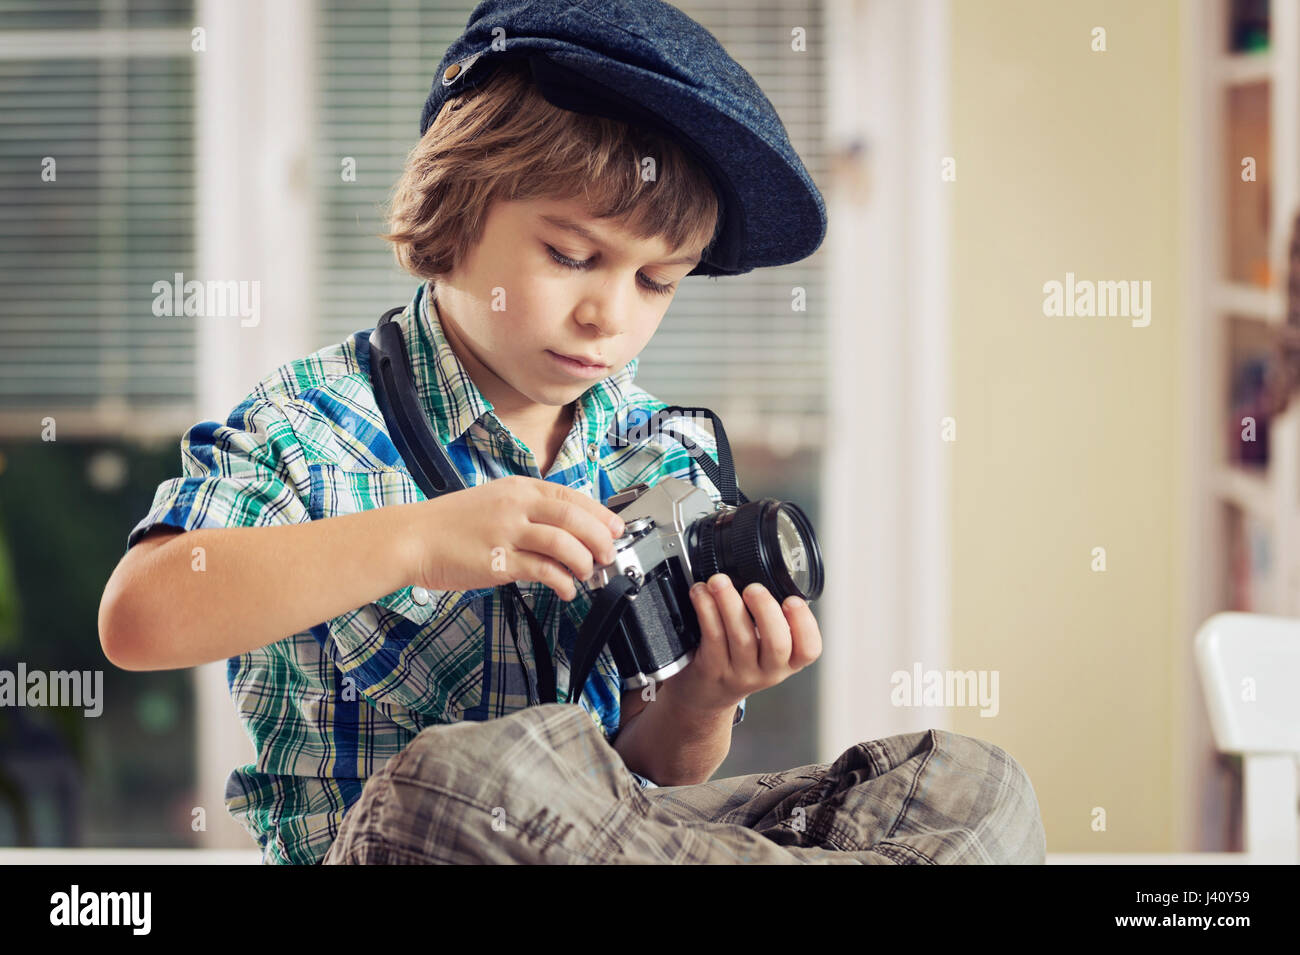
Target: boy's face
(515, 308)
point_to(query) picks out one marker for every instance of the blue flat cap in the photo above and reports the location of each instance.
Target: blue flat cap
(645, 62)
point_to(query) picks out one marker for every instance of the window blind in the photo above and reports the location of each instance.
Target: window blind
(732, 344)
(96, 204)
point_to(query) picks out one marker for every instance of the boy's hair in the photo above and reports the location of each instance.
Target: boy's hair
(504, 140)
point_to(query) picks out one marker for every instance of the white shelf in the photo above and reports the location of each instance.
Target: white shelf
(1251, 492)
(1238, 298)
(1268, 499)
(1239, 69)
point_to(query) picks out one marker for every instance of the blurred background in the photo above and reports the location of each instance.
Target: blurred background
(962, 452)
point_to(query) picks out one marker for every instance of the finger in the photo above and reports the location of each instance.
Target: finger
(576, 521)
(805, 634)
(742, 641)
(586, 504)
(712, 654)
(545, 570)
(773, 629)
(559, 545)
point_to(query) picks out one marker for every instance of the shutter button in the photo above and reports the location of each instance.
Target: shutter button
(420, 595)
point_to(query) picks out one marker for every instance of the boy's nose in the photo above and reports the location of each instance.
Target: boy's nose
(601, 310)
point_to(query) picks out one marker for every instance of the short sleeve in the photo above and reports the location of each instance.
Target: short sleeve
(248, 472)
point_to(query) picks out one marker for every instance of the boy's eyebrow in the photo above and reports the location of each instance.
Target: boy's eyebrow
(562, 222)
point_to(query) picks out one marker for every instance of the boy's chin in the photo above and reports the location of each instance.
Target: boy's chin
(558, 396)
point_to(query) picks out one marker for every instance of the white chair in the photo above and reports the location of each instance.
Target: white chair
(1250, 671)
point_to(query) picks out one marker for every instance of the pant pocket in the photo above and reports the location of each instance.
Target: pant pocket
(797, 774)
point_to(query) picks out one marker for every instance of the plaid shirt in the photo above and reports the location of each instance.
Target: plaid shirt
(325, 708)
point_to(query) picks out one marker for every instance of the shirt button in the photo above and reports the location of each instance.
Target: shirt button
(420, 595)
(451, 71)
(593, 452)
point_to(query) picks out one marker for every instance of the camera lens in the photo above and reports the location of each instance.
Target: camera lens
(792, 550)
(769, 542)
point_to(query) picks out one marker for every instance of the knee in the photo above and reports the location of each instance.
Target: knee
(452, 792)
(1004, 806)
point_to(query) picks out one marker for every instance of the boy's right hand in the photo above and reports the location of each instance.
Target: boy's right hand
(512, 528)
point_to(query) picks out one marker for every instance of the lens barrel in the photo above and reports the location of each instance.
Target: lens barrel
(746, 545)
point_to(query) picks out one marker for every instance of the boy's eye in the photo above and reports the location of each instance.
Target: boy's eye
(649, 285)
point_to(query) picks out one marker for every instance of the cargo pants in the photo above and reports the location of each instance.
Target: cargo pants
(543, 785)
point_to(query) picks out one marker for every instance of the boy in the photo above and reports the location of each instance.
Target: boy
(400, 729)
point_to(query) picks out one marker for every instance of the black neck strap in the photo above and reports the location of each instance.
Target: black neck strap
(431, 468)
(722, 474)
(607, 606)
(541, 653)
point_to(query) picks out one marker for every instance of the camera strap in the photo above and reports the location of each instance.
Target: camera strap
(722, 474)
(607, 606)
(541, 653)
(431, 468)
(610, 601)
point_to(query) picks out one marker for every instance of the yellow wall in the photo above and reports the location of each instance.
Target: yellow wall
(1069, 428)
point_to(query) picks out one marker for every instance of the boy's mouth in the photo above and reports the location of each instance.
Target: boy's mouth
(578, 365)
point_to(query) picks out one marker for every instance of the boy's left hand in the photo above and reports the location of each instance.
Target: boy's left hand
(748, 642)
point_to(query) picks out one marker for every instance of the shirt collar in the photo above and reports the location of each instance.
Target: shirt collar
(453, 403)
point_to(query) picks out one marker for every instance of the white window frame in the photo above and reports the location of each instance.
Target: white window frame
(255, 112)
(885, 479)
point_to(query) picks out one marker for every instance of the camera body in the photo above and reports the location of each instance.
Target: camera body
(674, 536)
(658, 633)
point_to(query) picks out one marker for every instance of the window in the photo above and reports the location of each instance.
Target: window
(96, 102)
(97, 174)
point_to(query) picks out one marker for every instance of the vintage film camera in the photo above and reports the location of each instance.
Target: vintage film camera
(675, 535)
